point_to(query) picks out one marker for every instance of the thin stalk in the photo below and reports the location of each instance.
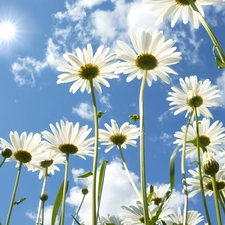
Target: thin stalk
(95, 160)
(222, 201)
(40, 201)
(2, 162)
(43, 213)
(142, 149)
(216, 198)
(209, 31)
(200, 170)
(64, 190)
(185, 214)
(74, 220)
(14, 193)
(128, 173)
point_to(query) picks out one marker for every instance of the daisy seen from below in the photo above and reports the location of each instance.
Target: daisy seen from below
(120, 137)
(194, 184)
(67, 138)
(193, 217)
(24, 147)
(84, 66)
(210, 137)
(165, 8)
(115, 220)
(150, 54)
(199, 95)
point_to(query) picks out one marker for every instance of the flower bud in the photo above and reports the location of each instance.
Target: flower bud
(6, 153)
(44, 197)
(209, 165)
(84, 190)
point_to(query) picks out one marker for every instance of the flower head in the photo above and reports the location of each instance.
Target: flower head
(177, 8)
(194, 184)
(84, 66)
(122, 136)
(210, 137)
(67, 138)
(193, 217)
(151, 54)
(194, 94)
(25, 148)
(116, 220)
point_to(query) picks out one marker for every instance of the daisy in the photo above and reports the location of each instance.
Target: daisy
(150, 53)
(67, 138)
(194, 184)
(210, 137)
(134, 215)
(193, 217)
(121, 137)
(25, 148)
(194, 94)
(84, 66)
(115, 220)
(177, 8)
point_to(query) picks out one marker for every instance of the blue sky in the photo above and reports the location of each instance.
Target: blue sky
(30, 99)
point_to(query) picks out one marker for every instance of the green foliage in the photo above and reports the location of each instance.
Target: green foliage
(134, 117)
(18, 202)
(149, 198)
(99, 114)
(85, 175)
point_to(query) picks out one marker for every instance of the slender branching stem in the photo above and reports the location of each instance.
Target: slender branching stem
(14, 193)
(95, 160)
(128, 173)
(200, 169)
(183, 171)
(78, 210)
(142, 149)
(64, 189)
(2, 162)
(216, 198)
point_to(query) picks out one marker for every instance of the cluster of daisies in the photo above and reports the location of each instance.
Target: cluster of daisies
(151, 56)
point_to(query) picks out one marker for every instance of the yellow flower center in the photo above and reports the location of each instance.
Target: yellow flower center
(118, 139)
(219, 184)
(22, 156)
(146, 61)
(68, 148)
(157, 200)
(195, 101)
(89, 71)
(203, 141)
(46, 163)
(183, 2)
(142, 219)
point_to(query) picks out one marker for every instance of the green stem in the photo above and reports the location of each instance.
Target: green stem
(43, 212)
(78, 210)
(40, 201)
(200, 170)
(128, 173)
(222, 201)
(2, 162)
(209, 31)
(215, 191)
(14, 193)
(185, 214)
(64, 190)
(142, 149)
(95, 160)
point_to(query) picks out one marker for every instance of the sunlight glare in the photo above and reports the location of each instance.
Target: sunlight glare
(7, 31)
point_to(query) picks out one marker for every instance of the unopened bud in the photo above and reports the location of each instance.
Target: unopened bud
(209, 165)
(84, 190)
(44, 197)
(6, 153)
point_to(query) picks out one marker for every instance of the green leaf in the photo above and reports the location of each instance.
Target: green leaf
(18, 202)
(88, 174)
(99, 114)
(75, 219)
(172, 168)
(219, 63)
(134, 117)
(149, 198)
(101, 181)
(58, 201)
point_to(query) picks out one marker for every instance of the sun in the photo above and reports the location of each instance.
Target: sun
(7, 31)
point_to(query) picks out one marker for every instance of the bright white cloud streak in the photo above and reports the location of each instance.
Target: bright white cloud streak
(84, 110)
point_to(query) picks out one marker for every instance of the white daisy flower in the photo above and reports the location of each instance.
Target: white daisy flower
(194, 184)
(210, 137)
(25, 148)
(122, 136)
(193, 217)
(134, 215)
(164, 8)
(68, 138)
(151, 53)
(84, 66)
(115, 220)
(194, 94)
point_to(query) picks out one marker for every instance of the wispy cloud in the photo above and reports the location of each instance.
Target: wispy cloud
(83, 110)
(220, 81)
(104, 99)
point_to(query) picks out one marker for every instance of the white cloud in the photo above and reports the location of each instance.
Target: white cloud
(165, 137)
(117, 191)
(221, 85)
(104, 99)
(164, 116)
(84, 110)
(31, 215)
